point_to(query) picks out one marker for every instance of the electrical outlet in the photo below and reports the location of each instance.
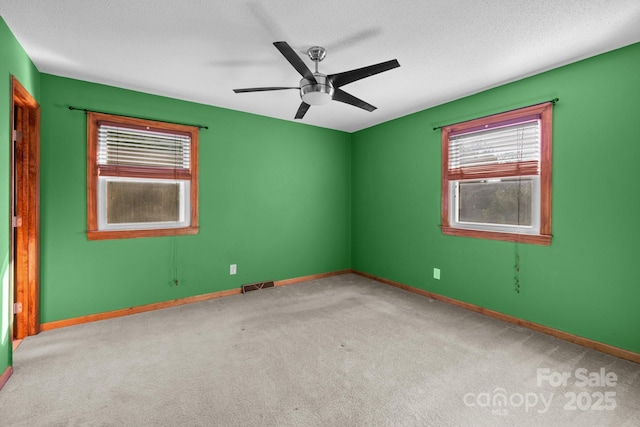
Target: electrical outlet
(436, 273)
(233, 268)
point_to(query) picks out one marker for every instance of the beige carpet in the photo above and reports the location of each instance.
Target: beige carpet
(341, 351)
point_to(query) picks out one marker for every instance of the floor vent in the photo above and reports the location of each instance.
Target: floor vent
(256, 286)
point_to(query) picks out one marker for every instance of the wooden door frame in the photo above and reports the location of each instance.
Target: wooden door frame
(25, 262)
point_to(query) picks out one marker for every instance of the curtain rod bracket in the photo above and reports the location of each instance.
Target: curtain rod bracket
(72, 108)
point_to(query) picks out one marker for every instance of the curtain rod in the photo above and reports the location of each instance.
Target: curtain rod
(135, 117)
(553, 101)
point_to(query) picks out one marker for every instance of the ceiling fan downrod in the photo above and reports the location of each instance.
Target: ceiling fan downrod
(316, 54)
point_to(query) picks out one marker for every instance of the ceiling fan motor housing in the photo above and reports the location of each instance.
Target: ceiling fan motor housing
(318, 93)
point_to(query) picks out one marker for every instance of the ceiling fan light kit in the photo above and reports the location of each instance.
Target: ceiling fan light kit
(318, 93)
(317, 88)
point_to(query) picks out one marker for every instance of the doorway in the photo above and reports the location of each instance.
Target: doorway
(24, 257)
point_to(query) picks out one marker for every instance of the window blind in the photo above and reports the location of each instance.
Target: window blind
(512, 150)
(129, 147)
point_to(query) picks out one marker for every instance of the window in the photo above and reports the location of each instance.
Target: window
(496, 176)
(142, 178)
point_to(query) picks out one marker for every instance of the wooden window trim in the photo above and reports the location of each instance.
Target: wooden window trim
(93, 122)
(544, 112)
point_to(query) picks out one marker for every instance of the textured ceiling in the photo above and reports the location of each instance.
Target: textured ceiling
(199, 50)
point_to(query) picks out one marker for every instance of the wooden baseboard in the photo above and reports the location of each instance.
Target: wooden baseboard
(311, 277)
(172, 303)
(5, 376)
(585, 342)
(135, 310)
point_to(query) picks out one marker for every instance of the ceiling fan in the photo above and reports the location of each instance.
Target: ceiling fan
(317, 88)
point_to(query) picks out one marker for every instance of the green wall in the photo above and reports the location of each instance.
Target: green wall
(274, 199)
(13, 61)
(588, 281)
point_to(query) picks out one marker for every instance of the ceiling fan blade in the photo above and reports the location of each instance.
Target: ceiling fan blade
(347, 98)
(341, 79)
(295, 60)
(302, 110)
(262, 89)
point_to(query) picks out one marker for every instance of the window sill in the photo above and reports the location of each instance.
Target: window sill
(130, 234)
(535, 239)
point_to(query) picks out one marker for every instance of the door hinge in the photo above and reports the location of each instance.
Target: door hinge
(17, 135)
(17, 308)
(16, 221)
